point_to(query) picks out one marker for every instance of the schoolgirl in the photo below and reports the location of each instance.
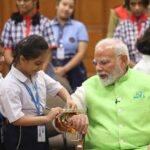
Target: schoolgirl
(23, 96)
(27, 21)
(72, 39)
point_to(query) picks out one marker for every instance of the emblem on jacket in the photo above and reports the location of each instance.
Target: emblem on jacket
(139, 95)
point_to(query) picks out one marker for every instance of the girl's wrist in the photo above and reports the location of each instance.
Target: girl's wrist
(68, 100)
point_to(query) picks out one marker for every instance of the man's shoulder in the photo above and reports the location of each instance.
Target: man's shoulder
(139, 75)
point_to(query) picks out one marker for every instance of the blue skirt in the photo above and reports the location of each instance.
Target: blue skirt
(76, 76)
(25, 138)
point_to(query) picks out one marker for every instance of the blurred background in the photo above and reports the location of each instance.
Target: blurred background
(93, 13)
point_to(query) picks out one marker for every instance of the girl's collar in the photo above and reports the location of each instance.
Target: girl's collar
(142, 18)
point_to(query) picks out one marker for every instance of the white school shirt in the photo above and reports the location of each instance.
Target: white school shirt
(144, 64)
(15, 99)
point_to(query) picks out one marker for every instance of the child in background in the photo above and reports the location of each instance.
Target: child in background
(26, 21)
(72, 40)
(117, 14)
(23, 96)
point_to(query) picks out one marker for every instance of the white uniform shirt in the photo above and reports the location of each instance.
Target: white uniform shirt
(144, 64)
(15, 99)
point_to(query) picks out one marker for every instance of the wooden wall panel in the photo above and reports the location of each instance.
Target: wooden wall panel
(7, 7)
(1, 17)
(89, 11)
(93, 13)
(108, 5)
(48, 8)
(95, 36)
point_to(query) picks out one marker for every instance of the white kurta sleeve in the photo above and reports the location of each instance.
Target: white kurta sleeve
(79, 98)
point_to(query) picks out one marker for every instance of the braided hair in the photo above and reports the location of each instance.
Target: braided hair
(17, 17)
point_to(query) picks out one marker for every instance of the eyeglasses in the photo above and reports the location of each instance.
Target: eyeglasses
(102, 62)
(23, 1)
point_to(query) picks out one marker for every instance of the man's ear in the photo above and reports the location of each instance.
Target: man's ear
(124, 59)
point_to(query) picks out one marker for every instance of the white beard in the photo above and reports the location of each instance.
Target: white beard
(117, 72)
(111, 79)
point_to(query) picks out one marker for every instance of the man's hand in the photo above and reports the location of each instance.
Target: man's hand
(79, 122)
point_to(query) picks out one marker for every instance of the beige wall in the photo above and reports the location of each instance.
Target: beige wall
(93, 13)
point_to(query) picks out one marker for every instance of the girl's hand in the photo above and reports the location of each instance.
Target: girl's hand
(54, 112)
(71, 105)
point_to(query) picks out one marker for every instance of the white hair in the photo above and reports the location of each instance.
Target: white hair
(118, 45)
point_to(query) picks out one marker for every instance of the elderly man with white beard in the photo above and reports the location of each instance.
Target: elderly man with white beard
(116, 102)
